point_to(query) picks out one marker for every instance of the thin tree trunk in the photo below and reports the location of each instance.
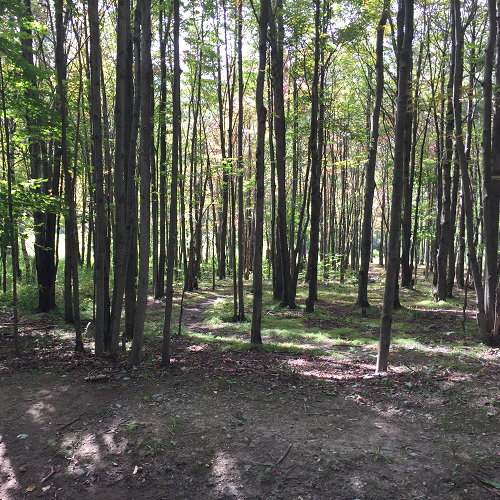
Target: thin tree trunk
(145, 187)
(464, 168)
(172, 232)
(404, 70)
(490, 182)
(241, 217)
(315, 151)
(100, 251)
(276, 42)
(371, 163)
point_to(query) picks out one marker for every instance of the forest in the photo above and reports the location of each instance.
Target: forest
(249, 249)
(153, 145)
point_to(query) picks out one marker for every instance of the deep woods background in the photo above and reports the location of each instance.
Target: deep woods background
(281, 140)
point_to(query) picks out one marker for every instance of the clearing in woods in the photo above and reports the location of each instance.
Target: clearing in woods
(303, 418)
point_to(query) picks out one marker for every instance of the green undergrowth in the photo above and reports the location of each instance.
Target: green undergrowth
(424, 332)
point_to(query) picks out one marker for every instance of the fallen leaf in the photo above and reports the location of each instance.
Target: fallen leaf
(30, 488)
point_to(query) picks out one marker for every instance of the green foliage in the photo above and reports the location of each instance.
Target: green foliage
(26, 199)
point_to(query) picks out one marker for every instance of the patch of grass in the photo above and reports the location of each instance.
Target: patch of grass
(377, 453)
(145, 397)
(132, 426)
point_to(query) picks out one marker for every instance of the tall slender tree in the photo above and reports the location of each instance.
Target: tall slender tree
(255, 336)
(172, 232)
(145, 173)
(366, 235)
(101, 266)
(404, 71)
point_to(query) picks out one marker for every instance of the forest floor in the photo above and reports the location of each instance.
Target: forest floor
(303, 418)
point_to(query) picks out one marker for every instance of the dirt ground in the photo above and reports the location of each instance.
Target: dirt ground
(228, 424)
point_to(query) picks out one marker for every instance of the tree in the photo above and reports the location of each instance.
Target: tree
(72, 294)
(464, 167)
(101, 266)
(145, 173)
(259, 175)
(45, 222)
(276, 38)
(172, 231)
(315, 151)
(404, 70)
(366, 238)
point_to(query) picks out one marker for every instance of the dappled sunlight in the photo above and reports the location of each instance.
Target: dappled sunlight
(8, 479)
(325, 367)
(224, 467)
(88, 448)
(198, 347)
(40, 412)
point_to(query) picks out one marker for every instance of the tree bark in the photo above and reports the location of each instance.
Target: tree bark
(276, 42)
(366, 238)
(241, 216)
(255, 334)
(490, 180)
(172, 232)
(101, 270)
(464, 168)
(315, 171)
(145, 175)
(404, 70)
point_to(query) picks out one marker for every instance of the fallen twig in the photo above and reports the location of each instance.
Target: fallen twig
(484, 486)
(284, 455)
(114, 428)
(100, 376)
(171, 431)
(69, 423)
(52, 472)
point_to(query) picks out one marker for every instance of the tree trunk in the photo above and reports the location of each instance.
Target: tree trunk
(101, 271)
(445, 234)
(124, 183)
(255, 335)
(312, 270)
(371, 163)
(12, 224)
(241, 217)
(404, 71)
(276, 42)
(145, 174)
(164, 33)
(464, 168)
(490, 179)
(172, 232)
(45, 223)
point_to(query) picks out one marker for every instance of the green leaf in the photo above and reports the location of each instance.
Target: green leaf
(487, 481)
